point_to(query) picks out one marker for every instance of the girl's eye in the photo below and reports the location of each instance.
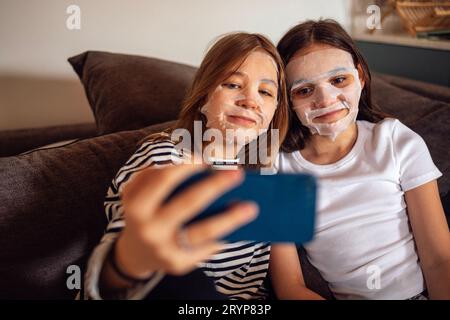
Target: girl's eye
(231, 85)
(339, 81)
(303, 92)
(266, 93)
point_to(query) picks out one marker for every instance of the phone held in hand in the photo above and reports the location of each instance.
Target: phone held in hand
(286, 203)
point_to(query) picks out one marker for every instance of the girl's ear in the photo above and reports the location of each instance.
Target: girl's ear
(361, 76)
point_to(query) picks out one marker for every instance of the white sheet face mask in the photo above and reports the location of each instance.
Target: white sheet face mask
(323, 82)
(245, 102)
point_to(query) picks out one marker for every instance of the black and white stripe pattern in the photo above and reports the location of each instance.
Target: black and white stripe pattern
(238, 271)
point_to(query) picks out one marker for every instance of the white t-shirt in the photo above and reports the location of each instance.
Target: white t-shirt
(363, 244)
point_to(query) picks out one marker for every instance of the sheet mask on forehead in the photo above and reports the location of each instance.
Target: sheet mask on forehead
(216, 115)
(316, 69)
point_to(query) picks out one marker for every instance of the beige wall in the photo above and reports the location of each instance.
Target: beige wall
(39, 88)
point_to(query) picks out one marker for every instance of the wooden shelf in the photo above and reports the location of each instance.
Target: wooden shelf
(403, 40)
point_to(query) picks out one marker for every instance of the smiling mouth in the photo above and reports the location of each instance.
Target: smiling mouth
(241, 120)
(328, 115)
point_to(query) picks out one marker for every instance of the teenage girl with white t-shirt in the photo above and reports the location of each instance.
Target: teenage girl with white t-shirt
(381, 232)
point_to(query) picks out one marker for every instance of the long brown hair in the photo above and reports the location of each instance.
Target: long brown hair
(328, 32)
(220, 62)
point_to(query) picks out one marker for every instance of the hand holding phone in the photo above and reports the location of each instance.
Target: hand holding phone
(286, 206)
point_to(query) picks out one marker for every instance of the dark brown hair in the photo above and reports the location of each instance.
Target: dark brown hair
(221, 61)
(331, 33)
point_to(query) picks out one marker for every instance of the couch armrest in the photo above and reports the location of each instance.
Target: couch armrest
(13, 142)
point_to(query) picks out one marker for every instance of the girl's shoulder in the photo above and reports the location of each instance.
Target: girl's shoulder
(391, 135)
(388, 128)
(160, 147)
(154, 143)
(384, 126)
(154, 150)
(155, 139)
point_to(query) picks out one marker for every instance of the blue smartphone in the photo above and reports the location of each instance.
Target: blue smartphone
(287, 204)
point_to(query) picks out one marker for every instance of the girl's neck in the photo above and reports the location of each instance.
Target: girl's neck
(322, 150)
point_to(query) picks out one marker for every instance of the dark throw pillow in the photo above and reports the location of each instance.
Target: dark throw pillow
(128, 92)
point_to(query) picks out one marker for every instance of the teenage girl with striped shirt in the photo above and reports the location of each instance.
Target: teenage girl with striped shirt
(145, 251)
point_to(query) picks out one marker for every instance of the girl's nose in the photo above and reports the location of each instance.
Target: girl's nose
(324, 97)
(248, 99)
(247, 103)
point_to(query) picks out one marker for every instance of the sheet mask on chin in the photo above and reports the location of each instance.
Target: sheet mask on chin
(217, 116)
(316, 68)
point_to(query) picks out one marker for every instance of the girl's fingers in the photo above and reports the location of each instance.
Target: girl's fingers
(197, 197)
(220, 225)
(147, 189)
(197, 245)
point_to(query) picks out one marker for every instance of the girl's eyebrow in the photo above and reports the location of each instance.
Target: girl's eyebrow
(265, 80)
(270, 81)
(298, 82)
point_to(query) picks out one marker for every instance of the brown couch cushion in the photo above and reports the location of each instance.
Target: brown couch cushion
(128, 92)
(429, 90)
(52, 213)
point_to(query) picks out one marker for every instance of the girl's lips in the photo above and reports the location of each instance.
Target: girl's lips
(241, 120)
(329, 115)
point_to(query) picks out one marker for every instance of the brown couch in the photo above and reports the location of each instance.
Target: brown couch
(51, 215)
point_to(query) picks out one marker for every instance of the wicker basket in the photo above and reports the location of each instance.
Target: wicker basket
(423, 16)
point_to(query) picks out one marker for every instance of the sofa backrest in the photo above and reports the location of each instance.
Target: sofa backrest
(51, 215)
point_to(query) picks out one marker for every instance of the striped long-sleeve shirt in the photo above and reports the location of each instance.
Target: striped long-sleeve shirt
(238, 271)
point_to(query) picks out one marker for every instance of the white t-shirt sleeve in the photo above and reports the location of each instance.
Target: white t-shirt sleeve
(413, 160)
